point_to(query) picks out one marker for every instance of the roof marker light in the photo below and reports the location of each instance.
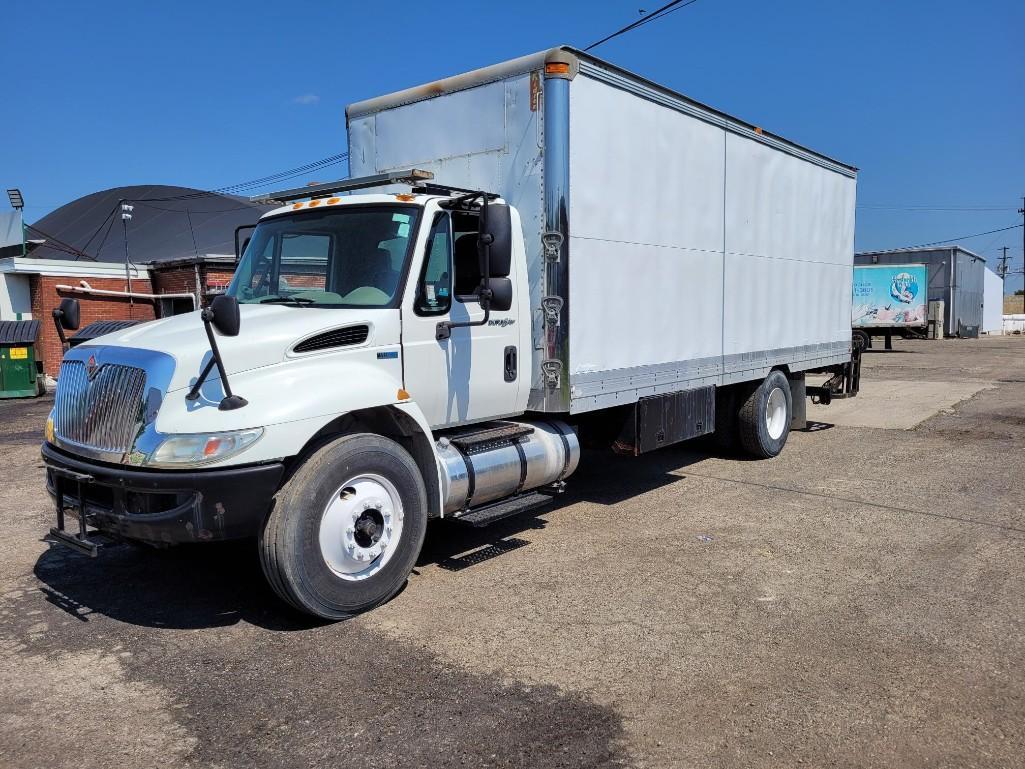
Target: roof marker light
(298, 206)
(314, 203)
(556, 68)
(332, 201)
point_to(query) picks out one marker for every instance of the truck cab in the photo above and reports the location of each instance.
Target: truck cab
(346, 372)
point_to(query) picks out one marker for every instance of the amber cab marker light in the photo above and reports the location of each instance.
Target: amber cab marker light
(405, 198)
(556, 68)
(332, 201)
(403, 395)
(297, 206)
(314, 203)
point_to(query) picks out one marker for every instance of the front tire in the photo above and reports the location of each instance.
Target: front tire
(765, 417)
(346, 529)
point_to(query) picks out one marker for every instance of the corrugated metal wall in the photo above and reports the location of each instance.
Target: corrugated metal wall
(956, 277)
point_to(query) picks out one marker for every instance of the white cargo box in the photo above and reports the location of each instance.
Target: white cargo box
(669, 245)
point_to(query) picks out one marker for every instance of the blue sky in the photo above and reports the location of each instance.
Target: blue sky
(926, 97)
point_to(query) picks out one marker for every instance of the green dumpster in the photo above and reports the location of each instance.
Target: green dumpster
(20, 376)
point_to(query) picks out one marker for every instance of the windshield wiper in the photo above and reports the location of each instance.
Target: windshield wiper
(298, 301)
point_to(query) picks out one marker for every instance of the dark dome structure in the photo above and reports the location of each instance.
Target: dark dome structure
(167, 223)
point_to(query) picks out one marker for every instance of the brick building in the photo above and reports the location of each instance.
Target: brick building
(28, 289)
(180, 242)
(202, 276)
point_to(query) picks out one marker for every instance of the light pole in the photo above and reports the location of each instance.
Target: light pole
(18, 204)
(126, 215)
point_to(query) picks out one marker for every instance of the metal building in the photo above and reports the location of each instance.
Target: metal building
(956, 277)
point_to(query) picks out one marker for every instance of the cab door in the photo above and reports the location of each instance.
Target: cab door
(477, 373)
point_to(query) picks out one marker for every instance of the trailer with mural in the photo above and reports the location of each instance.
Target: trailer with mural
(889, 300)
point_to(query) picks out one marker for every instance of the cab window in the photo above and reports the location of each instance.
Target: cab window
(434, 292)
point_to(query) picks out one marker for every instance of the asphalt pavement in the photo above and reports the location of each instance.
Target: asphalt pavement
(857, 601)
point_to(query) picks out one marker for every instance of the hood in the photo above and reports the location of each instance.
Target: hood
(268, 334)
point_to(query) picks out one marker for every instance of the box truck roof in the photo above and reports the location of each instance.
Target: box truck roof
(566, 62)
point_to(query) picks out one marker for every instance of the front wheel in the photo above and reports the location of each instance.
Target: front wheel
(347, 528)
(765, 416)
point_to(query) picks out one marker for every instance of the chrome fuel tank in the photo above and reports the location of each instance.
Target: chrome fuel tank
(489, 463)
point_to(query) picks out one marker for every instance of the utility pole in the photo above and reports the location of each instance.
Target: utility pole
(1002, 269)
(1022, 212)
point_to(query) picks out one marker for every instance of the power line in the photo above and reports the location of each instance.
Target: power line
(960, 237)
(659, 13)
(240, 187)
(59, 245)
(234, 189)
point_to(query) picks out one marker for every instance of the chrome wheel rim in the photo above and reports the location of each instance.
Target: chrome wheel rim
(361, 527)
(776, 413)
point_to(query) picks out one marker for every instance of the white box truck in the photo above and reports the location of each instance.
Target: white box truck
(529, 256)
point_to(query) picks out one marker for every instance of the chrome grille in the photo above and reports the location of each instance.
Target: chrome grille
(102, 412)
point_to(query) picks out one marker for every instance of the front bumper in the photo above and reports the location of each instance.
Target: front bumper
(163, 507)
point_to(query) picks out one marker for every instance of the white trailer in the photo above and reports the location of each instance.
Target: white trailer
(555, 251)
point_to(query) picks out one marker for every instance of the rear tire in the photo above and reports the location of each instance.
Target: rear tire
(346, 529)
(765, 417)
(861, 340)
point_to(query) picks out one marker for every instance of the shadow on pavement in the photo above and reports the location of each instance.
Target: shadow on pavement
(185, 587)
(221, 584)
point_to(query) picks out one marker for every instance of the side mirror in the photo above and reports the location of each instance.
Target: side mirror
(501, 294)
(499, 226)
(224, 315)
(68, 314)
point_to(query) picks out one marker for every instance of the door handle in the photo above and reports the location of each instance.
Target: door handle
(510, 363)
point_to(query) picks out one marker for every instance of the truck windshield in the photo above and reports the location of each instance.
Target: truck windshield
(351, 256)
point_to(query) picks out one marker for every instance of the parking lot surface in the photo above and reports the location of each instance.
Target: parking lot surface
(857, 601)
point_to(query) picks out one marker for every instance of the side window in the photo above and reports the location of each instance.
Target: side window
(434, 292)
(466, 258)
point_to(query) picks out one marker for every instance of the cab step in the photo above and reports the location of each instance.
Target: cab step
(489, 436)
(505, 508)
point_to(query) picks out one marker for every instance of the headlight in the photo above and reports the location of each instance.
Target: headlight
(49, 429)
(191, 449)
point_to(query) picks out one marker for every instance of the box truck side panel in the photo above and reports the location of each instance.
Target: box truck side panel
(487, 137)
(730, 256)
(646, 239)
(789, 253)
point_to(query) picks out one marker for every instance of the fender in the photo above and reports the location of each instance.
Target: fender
(288, 401)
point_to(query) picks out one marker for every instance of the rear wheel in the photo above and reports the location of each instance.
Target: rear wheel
(347, 528)
(861, 340)
(765, 417)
